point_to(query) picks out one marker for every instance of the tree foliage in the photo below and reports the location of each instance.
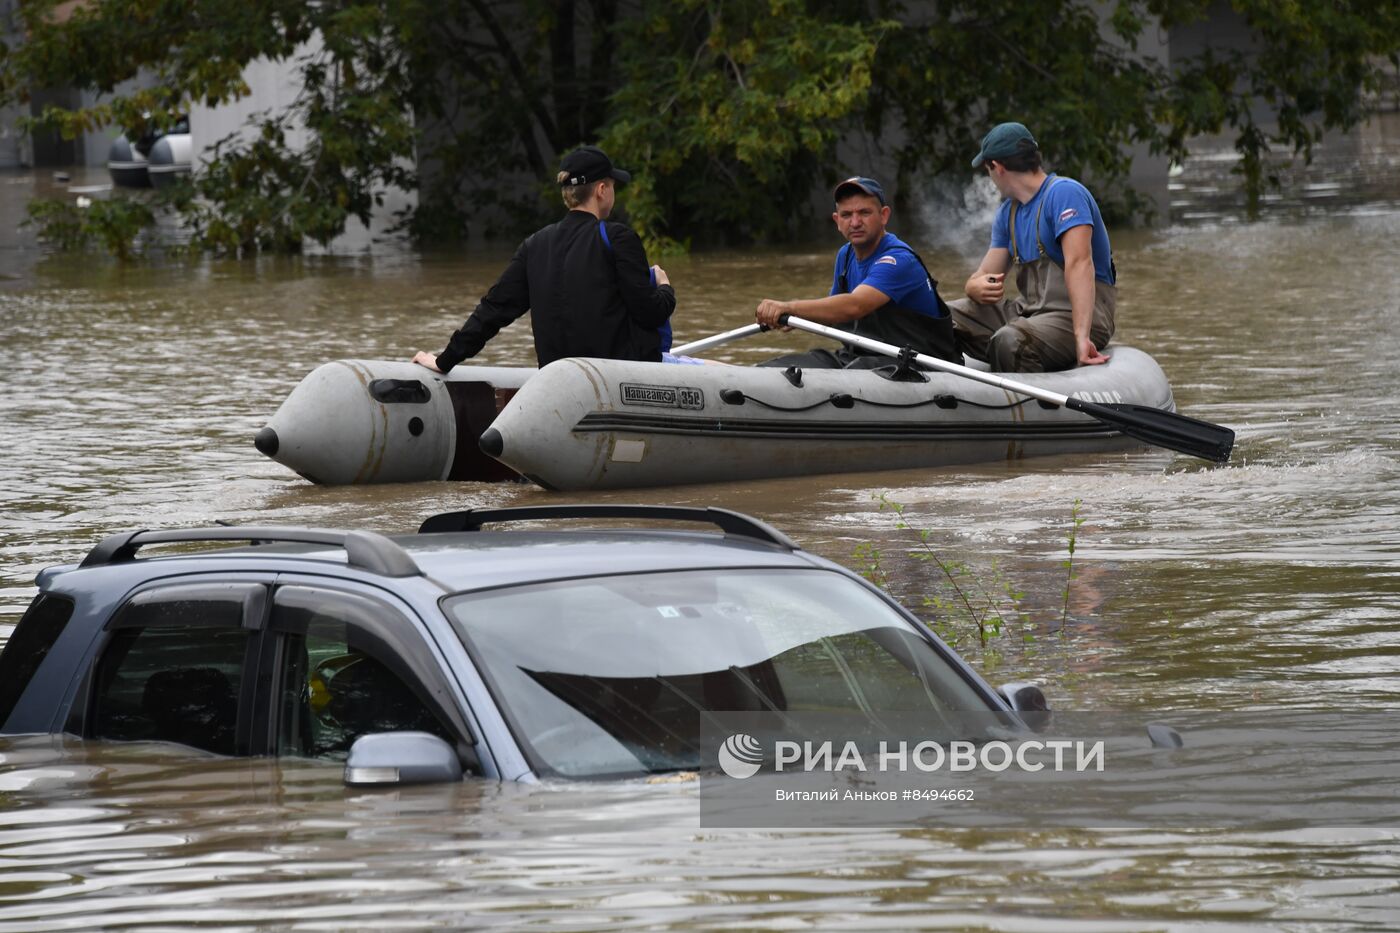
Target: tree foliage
(729, 112)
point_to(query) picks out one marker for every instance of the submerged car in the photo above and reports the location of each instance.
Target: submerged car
(513, 655)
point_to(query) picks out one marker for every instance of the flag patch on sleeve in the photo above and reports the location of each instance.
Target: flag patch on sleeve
(1067, 213)
(887, 260)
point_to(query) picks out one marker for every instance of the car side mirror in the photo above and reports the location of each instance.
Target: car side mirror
(1024, 697)
(1029, 702)
(382, 758)
(1162, 735)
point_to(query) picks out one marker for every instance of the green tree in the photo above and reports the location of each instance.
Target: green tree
(729, 110)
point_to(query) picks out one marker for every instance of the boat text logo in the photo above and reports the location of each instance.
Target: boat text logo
(662, 396)
(740, 756)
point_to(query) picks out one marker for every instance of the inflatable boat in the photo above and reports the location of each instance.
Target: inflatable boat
(608, 424)
(169, 160)
(155, 158)
(127, 164)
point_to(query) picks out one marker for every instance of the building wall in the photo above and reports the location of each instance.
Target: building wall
(14, 147)
(275, 87)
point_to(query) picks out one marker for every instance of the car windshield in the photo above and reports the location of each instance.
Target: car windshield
(613, 675)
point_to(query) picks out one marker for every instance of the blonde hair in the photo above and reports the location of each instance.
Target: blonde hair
(574, 195)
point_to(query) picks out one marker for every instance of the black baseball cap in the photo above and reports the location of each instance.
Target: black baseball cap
(862, 185)
(588, 164)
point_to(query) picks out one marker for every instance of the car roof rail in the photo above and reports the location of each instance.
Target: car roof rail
(731, 523)
(366, 550)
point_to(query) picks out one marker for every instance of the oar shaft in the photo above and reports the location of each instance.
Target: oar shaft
(1153, 425)
(695, 346)
(923, 359)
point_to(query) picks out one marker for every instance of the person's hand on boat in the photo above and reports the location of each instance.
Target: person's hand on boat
(659, 276)
(1089, 354)
(770, 310)
(423, 358)
(986, 288)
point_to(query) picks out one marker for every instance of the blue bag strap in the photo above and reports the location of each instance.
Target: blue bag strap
(664, 329)
(603, 232)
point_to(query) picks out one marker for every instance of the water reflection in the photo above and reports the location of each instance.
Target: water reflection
(131, 397)
(145, 837)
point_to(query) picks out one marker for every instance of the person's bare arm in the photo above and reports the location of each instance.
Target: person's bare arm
(1079, 277)
(987, 285)
(833, 309)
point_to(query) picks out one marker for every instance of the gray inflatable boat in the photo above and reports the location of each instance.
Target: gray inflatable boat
(609, 424)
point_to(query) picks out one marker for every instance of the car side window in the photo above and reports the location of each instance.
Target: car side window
(173, 668)
(339, 677)
(28, 645)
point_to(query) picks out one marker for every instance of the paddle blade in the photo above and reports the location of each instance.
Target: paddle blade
(1163, 428)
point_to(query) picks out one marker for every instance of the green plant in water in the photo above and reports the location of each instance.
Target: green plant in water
(988, 599)
(982, 598)
(1076, 520)
(870, 566)
(112, 223)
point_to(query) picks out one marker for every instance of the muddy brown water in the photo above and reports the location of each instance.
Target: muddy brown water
(131, 397)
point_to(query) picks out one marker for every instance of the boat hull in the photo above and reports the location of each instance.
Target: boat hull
(593, 424)
(169, 160)
(609, 424)
(380, 421)
(127, 166)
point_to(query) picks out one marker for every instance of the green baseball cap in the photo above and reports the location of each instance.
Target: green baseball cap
(1005, 140)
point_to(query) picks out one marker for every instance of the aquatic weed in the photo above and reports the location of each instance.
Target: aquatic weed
(968, 599)
(984, 597)
(1076, 520)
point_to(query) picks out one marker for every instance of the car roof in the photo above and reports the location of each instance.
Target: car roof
(451, 551)
(472, 561)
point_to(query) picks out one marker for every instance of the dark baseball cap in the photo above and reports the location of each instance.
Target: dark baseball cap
(1004, 141)
(588, 164)
(861, 185)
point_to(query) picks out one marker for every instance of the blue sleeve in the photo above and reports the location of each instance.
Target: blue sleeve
(1068, 205)
(1001, 227)
(898, 274)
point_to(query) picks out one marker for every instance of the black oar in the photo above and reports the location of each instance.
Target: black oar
(1153, 425)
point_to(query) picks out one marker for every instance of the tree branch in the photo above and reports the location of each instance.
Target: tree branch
(516, 68)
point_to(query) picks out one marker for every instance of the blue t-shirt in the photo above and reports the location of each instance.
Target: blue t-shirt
(1067, 204)
(893, 270)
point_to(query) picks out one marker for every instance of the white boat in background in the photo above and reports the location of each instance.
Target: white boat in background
(127, 165)
(169, 159)
(156, 158)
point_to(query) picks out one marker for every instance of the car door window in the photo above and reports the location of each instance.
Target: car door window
(28, 645)
(173, 668)
(341, 675)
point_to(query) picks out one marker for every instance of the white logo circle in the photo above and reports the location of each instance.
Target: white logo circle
(741, 755)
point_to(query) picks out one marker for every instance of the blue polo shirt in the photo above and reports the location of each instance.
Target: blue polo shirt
(893, 270)
(1068, 204)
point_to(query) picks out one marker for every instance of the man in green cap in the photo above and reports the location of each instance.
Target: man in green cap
(1048, 227)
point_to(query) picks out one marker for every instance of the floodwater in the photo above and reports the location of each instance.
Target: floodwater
(131, 397)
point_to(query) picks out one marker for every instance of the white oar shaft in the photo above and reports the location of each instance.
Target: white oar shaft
(695, 346)
(923, 359)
